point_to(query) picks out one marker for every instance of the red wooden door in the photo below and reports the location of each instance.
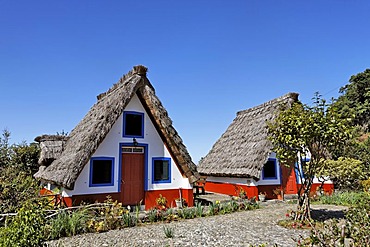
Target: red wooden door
(289, 181)
(132, 182)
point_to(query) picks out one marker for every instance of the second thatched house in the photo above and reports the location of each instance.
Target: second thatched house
(242, 159)
(125, 147)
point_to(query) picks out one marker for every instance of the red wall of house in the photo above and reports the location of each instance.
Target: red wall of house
(171, 195)
(230, 189)
(253, 191)
(150, 197)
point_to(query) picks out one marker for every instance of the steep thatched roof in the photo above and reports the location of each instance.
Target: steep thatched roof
(85, 138)
(244, 148)
(51, 147)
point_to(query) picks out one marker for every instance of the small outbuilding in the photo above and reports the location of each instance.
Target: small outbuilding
(125, 147)
(242, 161)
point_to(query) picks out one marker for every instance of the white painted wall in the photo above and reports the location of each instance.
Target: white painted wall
(110, 148)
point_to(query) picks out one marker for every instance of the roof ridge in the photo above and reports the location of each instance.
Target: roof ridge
(136, 70)
(290, 95)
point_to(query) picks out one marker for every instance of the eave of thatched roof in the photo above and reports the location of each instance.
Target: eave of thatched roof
(85, 138)
(244, 148)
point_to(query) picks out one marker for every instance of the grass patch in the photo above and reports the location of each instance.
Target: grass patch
(294, 224)
(345, 198)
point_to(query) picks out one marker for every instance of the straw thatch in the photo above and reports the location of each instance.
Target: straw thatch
(51, 147)
(244, 148)
(85, 138)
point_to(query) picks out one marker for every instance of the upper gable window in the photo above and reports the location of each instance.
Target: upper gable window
(133, 124)
(270, 170)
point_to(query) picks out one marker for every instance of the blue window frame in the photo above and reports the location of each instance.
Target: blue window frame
(101, 171)
(161, 170)
(269, 170)
(133, 124)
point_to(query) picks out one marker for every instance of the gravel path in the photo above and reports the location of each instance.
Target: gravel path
(237, 229)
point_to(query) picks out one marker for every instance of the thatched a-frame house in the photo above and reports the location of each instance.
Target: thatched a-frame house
(242, 159)
(125, 147)
(237, 160)
(244, 148)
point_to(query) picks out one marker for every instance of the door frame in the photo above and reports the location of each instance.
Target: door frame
(131, 144)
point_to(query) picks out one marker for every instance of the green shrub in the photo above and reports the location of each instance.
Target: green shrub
(68, 224)
(168, 232)
(129, 220)
(107, 217)
(213, 209)
(199, 210)
(27, 228)
(17, 165)
(152, 215)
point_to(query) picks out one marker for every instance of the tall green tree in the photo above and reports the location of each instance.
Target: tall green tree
(18, 163)
(4, 149)
(355, 99)
(355, 103)
(316, 131)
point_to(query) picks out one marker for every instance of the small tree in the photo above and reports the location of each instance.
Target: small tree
(4, 149)
(302, 130)
(18, 162)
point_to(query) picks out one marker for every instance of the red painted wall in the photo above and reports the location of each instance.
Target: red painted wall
(253, 191)
(171, 195)
(230, 189)
(150, 197)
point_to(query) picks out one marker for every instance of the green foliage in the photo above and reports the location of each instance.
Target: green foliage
(17, 165)
(128, 219)
(355, 100)
(345, 198)
(359, 148)
(317, 130)
(169, 232)
(27, 228)
(16, 187)
(344, 172)
(161, 201)
(5, 149)
(152, 215)
(199, 210)
(108, 217)
(186, 213)
(25, 157)
(213, 208)
(68, 224)
(366, 186)
(170, 215)
(355, 229)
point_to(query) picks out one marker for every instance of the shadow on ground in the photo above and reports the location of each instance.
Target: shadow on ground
(325, 214)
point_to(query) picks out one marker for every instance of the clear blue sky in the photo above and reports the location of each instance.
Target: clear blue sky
(206, 59)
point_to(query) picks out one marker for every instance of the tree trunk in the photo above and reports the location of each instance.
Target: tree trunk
(303, 208)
